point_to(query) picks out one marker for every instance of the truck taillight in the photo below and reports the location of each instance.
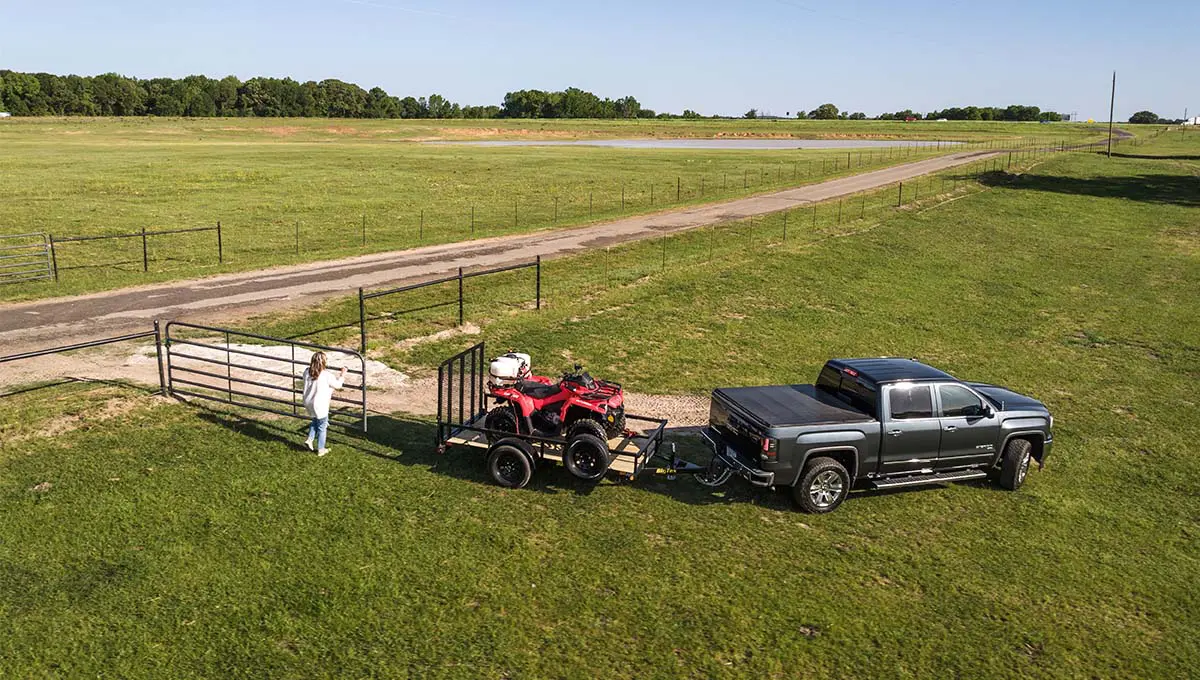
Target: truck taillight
(770, 448)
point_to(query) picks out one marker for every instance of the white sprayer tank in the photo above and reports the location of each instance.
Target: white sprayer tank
(509, 368)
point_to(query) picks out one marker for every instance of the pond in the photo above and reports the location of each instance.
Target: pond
(737, 144)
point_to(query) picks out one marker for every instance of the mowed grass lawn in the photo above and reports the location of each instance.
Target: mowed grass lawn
(288, 191)
(148, 539)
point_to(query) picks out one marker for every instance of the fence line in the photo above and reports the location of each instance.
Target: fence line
(156, 334)
(144, 234)
(510, 213)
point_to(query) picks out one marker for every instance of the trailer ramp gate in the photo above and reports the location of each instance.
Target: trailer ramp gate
(259, 372)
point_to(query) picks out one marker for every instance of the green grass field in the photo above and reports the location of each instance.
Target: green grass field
(144, 539)
(288, 191)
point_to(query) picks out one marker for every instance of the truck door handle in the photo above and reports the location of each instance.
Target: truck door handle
(951, 428)
(895, 433)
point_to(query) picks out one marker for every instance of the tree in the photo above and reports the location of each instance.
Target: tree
(1144, 117)
(690, 114)
(858, 115)
(824, 112)
(752, 113)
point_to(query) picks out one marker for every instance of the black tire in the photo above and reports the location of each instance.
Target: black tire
(822, 486)
(587, 457)
(1014, 464)
(503, 419)
(616, 427)
(586, 426)
(510, 465)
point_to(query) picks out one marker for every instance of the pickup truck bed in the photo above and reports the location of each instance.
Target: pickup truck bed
(791, 405)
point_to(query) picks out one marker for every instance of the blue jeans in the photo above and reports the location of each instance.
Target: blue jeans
(316, 430)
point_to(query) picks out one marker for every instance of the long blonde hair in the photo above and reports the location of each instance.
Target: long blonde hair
(316, 365)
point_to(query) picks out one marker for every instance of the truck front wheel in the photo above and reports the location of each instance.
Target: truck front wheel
(1015, 464)
(822, 486)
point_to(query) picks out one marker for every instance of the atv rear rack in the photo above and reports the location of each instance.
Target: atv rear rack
(463, 406)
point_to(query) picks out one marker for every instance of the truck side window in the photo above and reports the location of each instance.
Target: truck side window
(959, 402)
(911, 401)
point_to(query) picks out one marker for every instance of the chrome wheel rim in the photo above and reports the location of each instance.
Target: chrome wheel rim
(826, 488)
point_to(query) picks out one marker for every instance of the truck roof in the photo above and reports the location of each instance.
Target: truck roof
(887, 369)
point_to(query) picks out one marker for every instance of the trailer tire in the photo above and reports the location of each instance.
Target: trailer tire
(587, 457)
(1014, 463)
(503, 419)
(586, 426)
(510, 464)
(822, 486)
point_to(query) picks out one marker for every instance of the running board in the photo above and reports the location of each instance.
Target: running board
(936, 478)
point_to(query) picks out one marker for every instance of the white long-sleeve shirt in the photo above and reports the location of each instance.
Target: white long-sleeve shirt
(319, 392)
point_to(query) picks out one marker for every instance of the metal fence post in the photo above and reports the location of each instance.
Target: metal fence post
(900, 196)
(53, 257)
(678, 187)
(145, 253)
(785, 227)
(539, 282)
(220, 247)
(362, 322)
(162, 380)
(460, 296)
(297, 237)
(364, 230)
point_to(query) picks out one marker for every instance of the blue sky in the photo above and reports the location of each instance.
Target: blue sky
(715, 57)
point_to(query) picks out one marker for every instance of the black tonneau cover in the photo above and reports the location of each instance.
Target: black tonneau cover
(790, 405)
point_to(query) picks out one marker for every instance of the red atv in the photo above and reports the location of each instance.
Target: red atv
(530, 404)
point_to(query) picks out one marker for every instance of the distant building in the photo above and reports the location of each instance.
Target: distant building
(5, 114)
(1189, 121)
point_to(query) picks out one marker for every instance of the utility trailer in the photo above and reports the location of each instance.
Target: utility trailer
(463, 401)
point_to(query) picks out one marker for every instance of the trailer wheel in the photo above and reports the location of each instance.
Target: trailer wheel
(1015, 464)
(587, 457)
(511, 466)
(502, 419)
(822, 486)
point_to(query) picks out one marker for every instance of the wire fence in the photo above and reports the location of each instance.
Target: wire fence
(278, 239)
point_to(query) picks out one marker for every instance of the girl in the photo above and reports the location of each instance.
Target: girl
(319, 385)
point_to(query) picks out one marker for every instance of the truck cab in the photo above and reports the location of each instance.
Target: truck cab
(876, 423)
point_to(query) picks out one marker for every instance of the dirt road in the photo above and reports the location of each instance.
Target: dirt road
(44, 323)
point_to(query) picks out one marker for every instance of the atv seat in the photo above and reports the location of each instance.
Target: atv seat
(537, 390)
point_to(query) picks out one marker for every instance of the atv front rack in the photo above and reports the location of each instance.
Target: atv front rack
(463, 406)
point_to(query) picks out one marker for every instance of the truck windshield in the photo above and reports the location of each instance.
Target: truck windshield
(849, 389)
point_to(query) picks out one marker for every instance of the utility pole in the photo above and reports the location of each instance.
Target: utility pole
(1111, 104)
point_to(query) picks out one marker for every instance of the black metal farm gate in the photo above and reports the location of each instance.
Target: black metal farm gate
(258, 372)
(25, 257)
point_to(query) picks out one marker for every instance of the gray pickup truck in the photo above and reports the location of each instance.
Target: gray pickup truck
(878, 424)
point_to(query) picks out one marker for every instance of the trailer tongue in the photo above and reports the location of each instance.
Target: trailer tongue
(513, 457)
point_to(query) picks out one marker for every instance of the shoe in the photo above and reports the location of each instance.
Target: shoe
(308, 443)
(322, 452)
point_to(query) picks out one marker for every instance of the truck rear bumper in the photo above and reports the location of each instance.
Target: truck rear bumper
(727, 455)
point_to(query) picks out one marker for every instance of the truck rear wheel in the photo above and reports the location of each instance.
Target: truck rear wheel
(1015, 463)
(822, 486)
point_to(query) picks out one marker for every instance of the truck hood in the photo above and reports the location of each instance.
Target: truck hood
(1007, 400)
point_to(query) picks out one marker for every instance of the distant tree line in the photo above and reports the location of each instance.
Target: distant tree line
(110, 94)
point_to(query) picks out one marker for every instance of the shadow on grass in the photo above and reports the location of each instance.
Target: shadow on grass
(1178, 157)
(1181, 190)
(137, 387)
(413, 442)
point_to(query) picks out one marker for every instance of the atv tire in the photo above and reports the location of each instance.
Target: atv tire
(1014, 464)
(616, 427)
(586, 426)
(503, 420)
(587, 457)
